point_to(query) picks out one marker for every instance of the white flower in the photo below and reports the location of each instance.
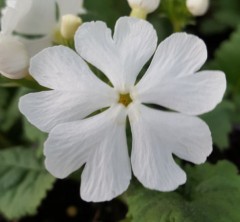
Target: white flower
(25, 17)
(33, 18)
(171, 81)
(147, 5)
(198, 7)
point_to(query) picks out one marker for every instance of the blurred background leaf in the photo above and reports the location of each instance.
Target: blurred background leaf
(220, 123)
(24, 182)
(222, 15)
(211, 194)
(106, 10)
(227, 60)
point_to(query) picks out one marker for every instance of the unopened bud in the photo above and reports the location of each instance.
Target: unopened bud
(140, 8)
(14, 58)
(69, 25)
(197, 7)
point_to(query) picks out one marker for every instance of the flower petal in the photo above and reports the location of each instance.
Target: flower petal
(61, 68)
(34, 23)
(12, 14)
(122, 57)
(179, 55)
(47, 109)
(36, 45)
(93, 41)
(100, 142)
(194, 94)
(156, 136)
(136, 41)
(14, 58)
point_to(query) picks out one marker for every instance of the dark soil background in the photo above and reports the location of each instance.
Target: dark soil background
(64, 205)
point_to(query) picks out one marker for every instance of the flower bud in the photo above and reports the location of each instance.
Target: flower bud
(140, 8)
(69, 25)
(197, 7)
(14, 59)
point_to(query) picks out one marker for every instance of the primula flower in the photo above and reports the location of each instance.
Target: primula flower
(25, 31)
(25, 18)
(99, 141)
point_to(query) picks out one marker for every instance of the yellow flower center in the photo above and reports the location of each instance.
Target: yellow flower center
(125, 99)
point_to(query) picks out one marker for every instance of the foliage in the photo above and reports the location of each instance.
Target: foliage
(227, 60)
(24, 182)
(106, 10)
(211, 194)
(223, 15)
(220, 123)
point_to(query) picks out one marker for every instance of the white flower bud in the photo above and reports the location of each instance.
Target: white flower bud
(146, 5)
(69, 25)
(14, 59)
(197, 7)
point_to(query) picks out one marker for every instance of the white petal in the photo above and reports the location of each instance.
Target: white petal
(100, 142)
(13, 14)
(36, 45)
(40, 19)
(61, 68)
(136, 41)
(156, 135)
(148, 5)
(14, 58)
(120, 59)
(93, 41)
(179, 55)
(47, 109)
(70, 7)
(194, 94)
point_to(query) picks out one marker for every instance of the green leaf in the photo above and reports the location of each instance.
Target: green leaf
(23, 182)
(32, 133)
(227, 60)
(212, 194)
(28, 82)
(236, 116)
(161, 24)
(3, 103)
(222, 15)
(220, 123)
(106, 10)
(2, 3)
(12, 112)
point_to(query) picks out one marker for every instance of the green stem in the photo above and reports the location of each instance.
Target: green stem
(177, 27)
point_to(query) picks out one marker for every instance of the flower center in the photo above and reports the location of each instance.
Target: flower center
(125, 99)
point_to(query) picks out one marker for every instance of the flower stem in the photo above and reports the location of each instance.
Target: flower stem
(139, 13)
(177, 27)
